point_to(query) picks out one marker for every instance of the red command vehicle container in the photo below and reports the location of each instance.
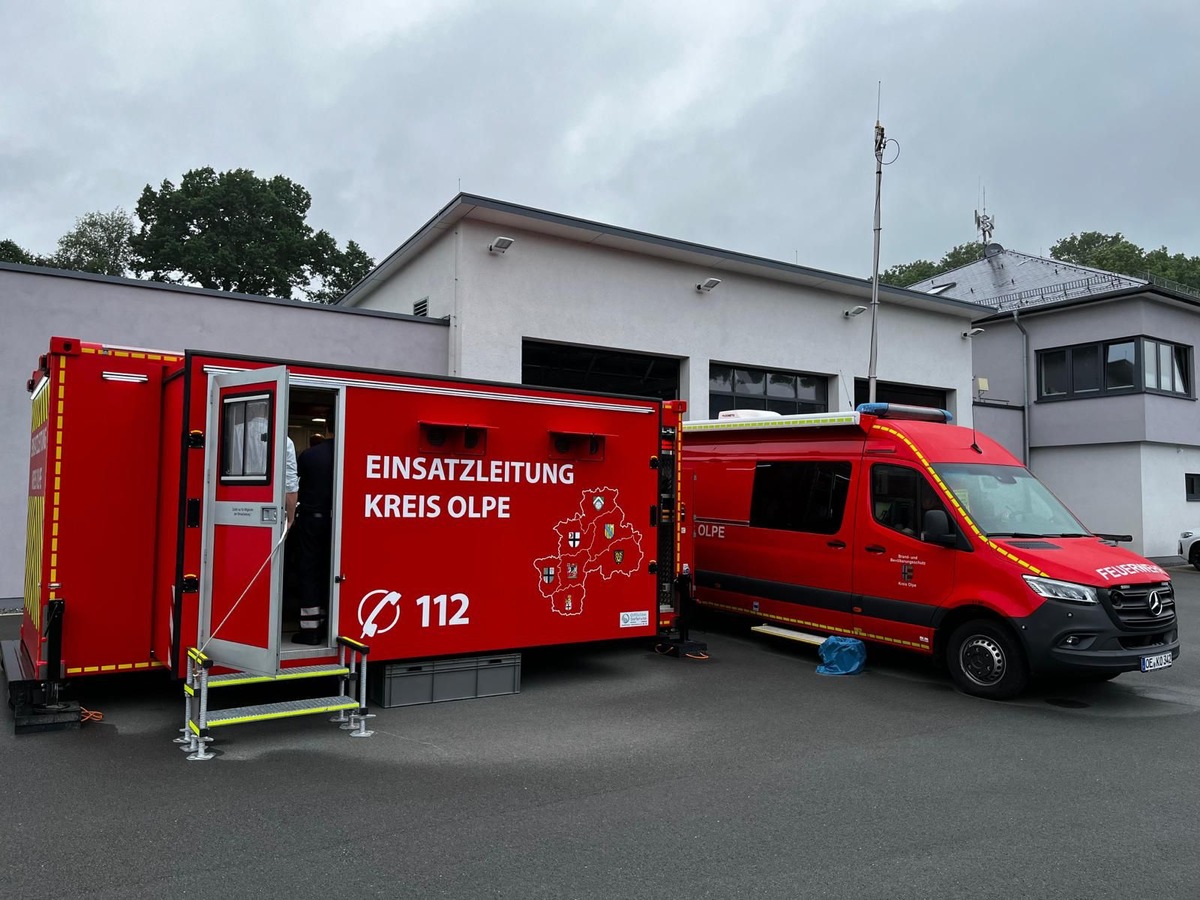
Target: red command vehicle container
(891, 525)
(468, 517)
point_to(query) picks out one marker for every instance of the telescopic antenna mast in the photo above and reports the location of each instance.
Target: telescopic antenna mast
(880, 143)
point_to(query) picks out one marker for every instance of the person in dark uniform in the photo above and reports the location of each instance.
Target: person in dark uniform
(314, 527)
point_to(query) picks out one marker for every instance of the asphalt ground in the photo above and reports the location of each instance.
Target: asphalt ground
(618, 773)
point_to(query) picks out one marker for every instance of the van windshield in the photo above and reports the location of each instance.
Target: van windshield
(1007, 501)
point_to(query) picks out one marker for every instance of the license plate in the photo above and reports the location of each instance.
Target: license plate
(1150, 663)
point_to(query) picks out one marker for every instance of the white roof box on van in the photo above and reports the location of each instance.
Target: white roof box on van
(753, 419)
(748, 414)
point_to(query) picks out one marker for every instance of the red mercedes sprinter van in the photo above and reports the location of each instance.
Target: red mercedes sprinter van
(892, 525)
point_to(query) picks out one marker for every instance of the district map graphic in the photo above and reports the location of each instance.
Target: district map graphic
(598, 542)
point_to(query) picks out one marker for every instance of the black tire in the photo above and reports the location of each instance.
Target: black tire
(1194, 555)
(985, 660)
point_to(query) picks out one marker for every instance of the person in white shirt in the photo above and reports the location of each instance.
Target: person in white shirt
(291, 483)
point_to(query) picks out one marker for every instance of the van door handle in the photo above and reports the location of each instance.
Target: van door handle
(875, 548)
(836, 545)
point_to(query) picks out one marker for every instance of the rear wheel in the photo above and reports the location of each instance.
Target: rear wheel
(986, 660)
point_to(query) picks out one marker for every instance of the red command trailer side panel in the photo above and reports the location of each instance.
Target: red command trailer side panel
(100, 415)
(480, 518)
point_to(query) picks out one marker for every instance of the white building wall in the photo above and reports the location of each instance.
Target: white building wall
(1102, 484)
(555, 289)
(1167, 510)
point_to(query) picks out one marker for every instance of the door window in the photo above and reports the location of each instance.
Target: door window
(246, 439)
(900, 497)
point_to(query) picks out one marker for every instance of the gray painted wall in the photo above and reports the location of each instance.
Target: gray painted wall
(1004, 424)
(1118, 461)
(37, 304)
(1101, 485)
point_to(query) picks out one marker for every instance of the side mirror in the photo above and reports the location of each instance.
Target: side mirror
(938, 530)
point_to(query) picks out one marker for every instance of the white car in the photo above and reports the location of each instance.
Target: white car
(1189, 547)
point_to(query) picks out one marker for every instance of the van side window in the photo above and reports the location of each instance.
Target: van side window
(900, 497)
(800, 496)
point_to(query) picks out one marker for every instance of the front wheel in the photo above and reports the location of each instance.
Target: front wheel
(1194, 555)
(986, 660)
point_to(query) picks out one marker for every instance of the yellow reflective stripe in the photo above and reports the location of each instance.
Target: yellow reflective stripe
(156, 357)
(196, 655)
(950, 496)
(816, 421)
(116, 667)
(285, 675)
(821, 626)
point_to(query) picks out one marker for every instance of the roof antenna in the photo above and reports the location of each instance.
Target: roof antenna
(975, 437)
(984, 223)
(881, 142)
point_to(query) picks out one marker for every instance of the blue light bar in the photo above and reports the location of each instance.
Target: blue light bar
(904, 411)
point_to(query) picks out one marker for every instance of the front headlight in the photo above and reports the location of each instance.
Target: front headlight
(1062, 590)
(1187, 534)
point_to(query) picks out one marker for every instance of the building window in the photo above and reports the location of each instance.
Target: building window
(1166, 367)
(787, 393)
(1119, 365)
(1113, 367)
(1192, 486)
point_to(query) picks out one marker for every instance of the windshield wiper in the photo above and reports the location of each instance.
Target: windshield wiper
(1070, 534)
(1016, 534)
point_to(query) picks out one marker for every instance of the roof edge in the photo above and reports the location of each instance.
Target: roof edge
(116, 280)
(1118, 294)
(463, 203)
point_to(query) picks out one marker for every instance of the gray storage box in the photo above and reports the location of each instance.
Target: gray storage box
(431, 681)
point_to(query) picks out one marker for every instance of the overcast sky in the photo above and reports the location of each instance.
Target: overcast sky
(744, 125)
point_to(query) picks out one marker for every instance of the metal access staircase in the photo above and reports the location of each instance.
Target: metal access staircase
(199, 720)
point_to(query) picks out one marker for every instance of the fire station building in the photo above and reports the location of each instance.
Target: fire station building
(495, 291)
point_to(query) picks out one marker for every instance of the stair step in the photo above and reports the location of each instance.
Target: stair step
(815, 639)
(263, 712)
(230, 679)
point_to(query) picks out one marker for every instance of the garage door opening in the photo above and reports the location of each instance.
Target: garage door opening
(603, 371)
(890, 392)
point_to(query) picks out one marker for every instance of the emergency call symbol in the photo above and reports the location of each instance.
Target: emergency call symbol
(372, 616)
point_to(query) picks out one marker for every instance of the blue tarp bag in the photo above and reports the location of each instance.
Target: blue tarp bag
(842, 656)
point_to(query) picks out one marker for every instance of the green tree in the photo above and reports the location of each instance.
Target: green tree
(233, 231)
(910, 273)
(338, 271)
(1177, 267)
(11, 251)
(98, 243)
(1111, 252)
